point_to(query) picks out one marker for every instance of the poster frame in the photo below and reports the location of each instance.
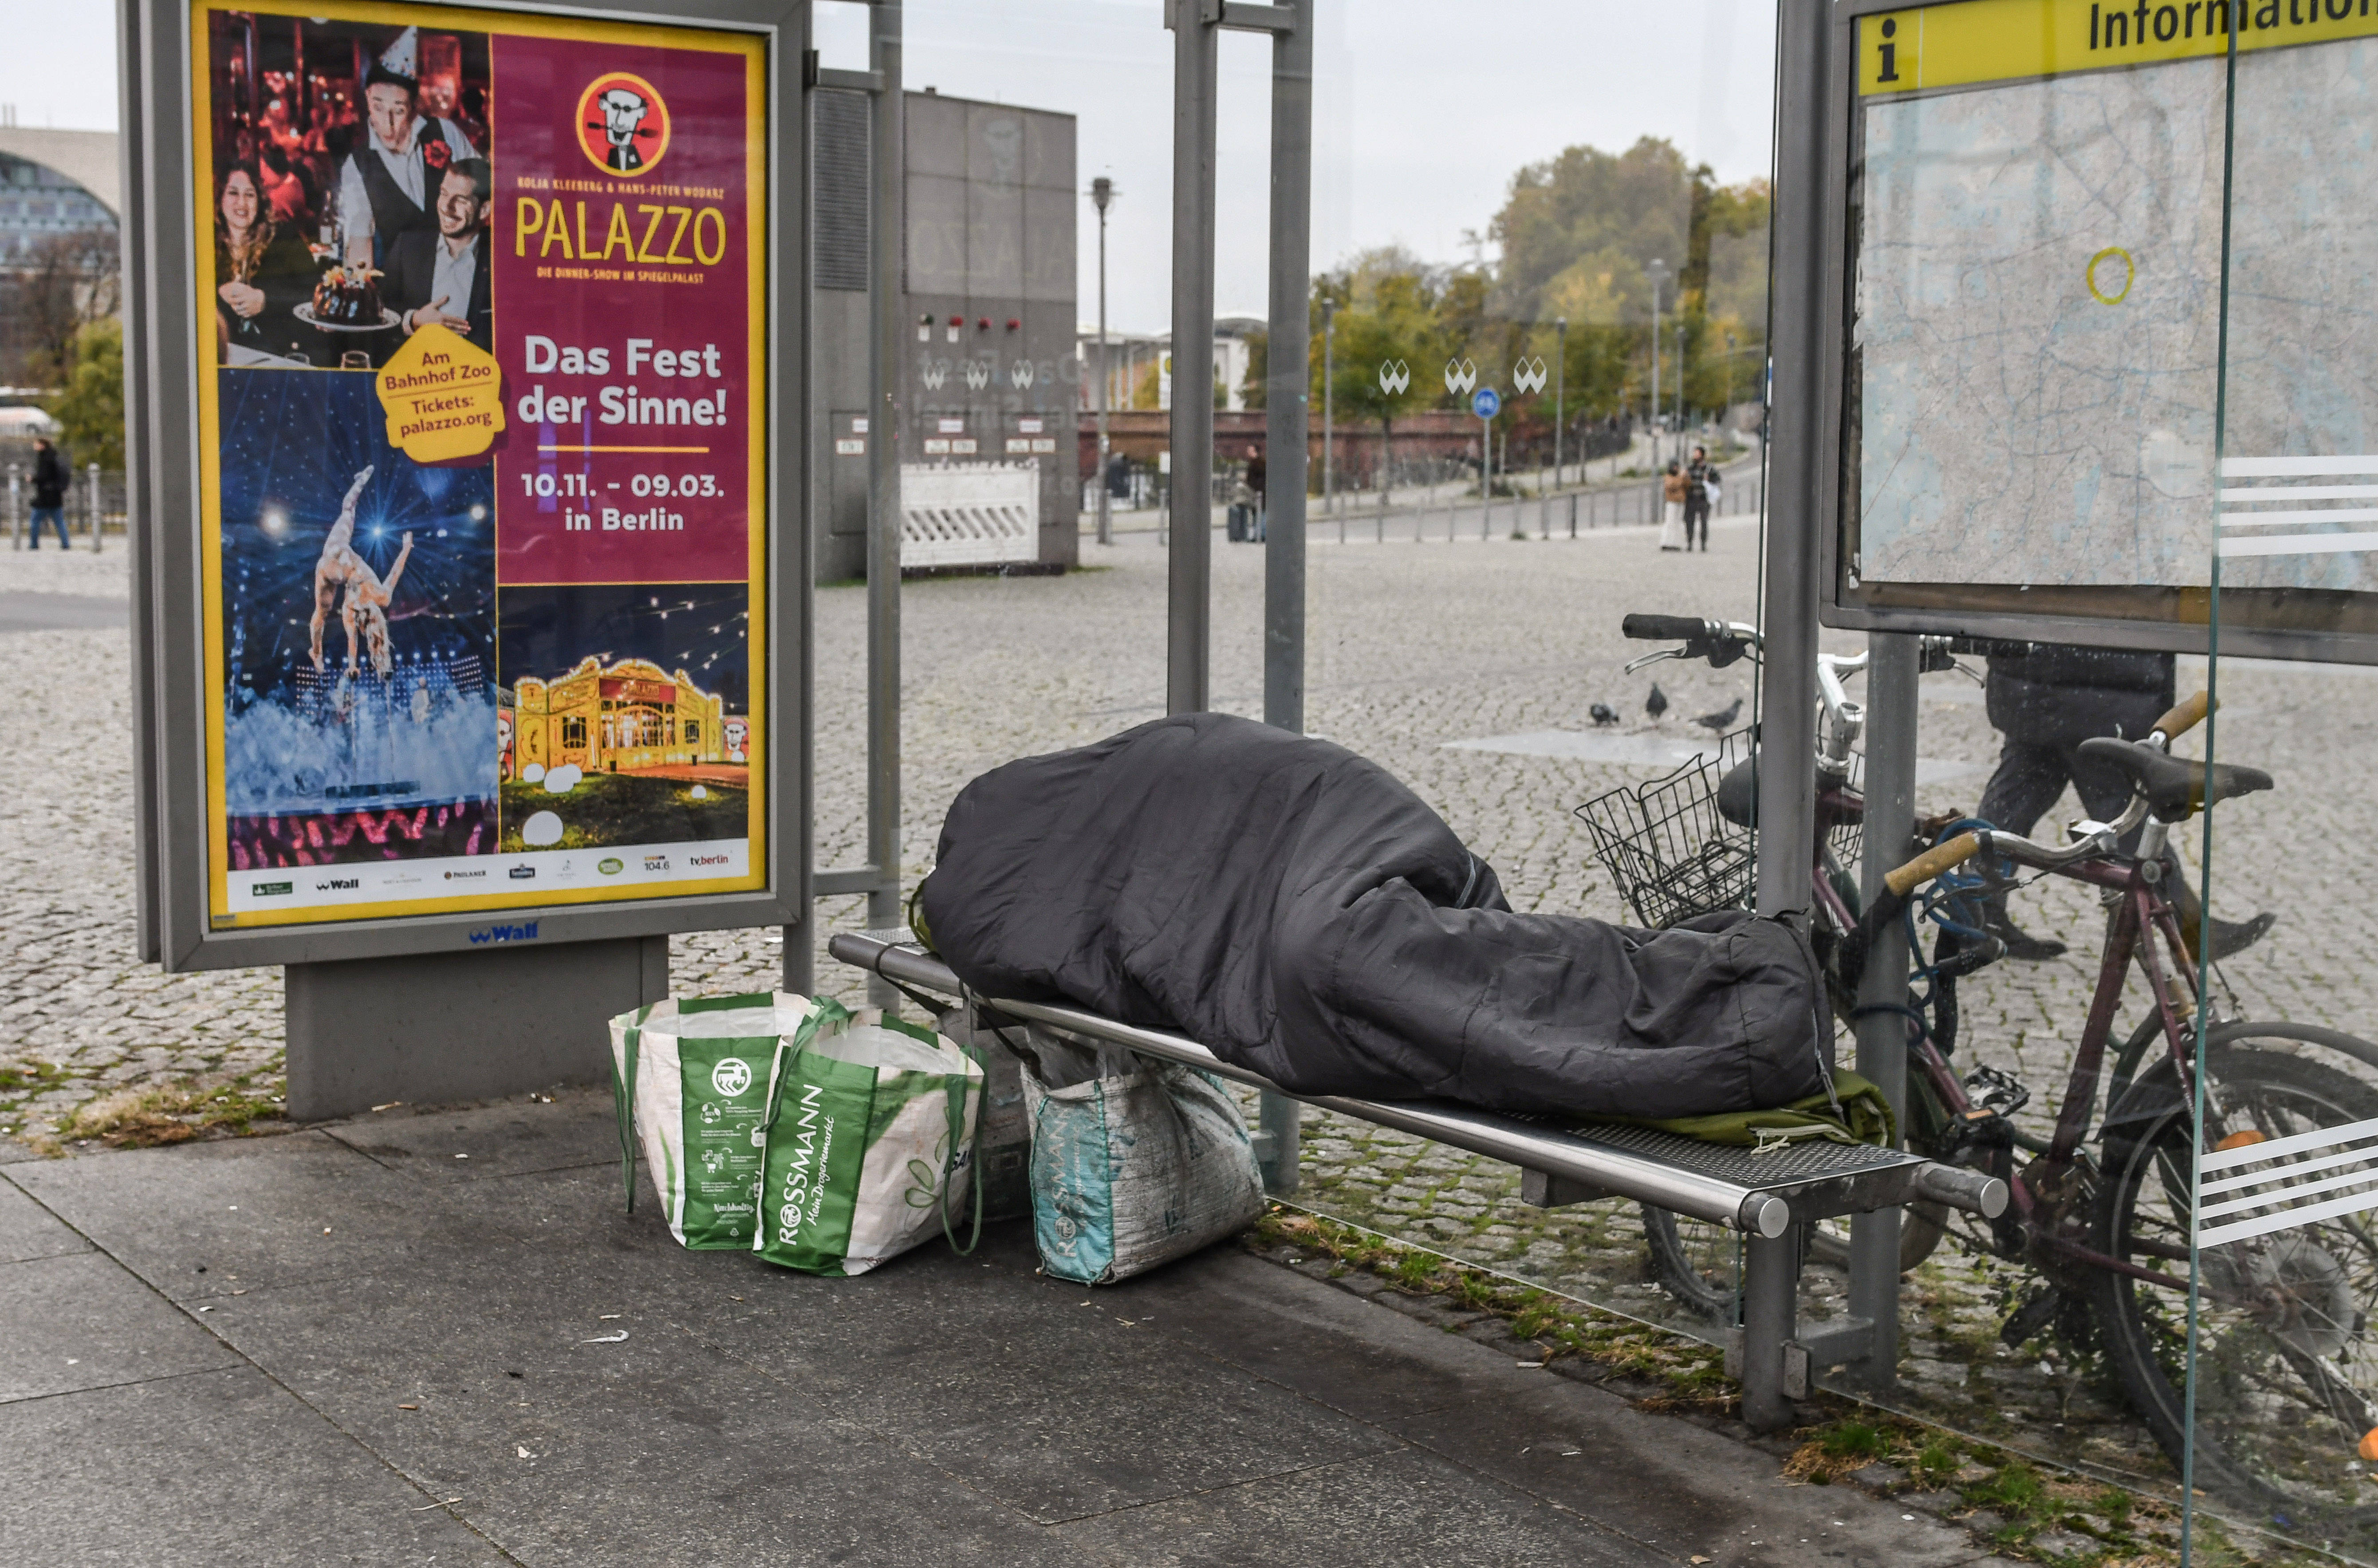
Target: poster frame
(159, 46)
(2046, 613)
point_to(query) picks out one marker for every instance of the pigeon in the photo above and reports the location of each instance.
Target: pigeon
(1719, 723)
(1604, 714)
(1657, 703)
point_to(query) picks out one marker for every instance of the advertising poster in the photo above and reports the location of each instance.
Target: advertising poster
(483, 464)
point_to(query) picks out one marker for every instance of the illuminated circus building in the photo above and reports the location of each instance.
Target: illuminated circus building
(630, 717)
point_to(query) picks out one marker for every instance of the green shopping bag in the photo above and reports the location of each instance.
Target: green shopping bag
(689, 1078)
(870, 1142)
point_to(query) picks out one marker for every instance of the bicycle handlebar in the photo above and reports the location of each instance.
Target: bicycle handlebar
(2185, 715)
(1942, 857)
(1670, 628)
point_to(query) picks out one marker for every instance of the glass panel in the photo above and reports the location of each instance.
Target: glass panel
(2285, 1375)
(1528, 303)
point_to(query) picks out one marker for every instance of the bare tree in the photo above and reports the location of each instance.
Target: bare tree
(67, 281)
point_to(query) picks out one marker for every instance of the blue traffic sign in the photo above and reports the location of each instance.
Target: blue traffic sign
(1486, 403)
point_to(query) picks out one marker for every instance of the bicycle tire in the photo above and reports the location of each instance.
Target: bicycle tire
(1921, 1228)
(1697, 1263)
(2255, 1445)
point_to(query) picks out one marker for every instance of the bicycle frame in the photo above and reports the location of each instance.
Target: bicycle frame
(2140, 915)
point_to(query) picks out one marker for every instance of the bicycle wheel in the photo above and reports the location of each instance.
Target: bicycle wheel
(1695, 1261)
(2287, 1371)
(1921, 1225)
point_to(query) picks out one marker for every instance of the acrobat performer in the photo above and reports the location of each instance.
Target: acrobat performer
(337, 566)
(367, 604)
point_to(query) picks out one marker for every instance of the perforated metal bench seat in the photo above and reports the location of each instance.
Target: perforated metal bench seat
(1763, 1194)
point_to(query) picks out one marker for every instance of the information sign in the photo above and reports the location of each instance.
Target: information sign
(481, 458)
(2033, 412)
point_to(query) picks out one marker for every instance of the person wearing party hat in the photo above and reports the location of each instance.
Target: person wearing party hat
(389, 185)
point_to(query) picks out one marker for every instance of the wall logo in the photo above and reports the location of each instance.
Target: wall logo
(1529, 375)
(339, 884)
(505, 934)
(1460, 375)
(731, 1076)
(1394, 377)
(610, 865)
(623, 126)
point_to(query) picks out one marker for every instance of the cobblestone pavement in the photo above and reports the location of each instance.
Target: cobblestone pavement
(1410, 647)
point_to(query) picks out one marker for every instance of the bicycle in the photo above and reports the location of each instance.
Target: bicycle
(1680, 846)
(2287, 1368)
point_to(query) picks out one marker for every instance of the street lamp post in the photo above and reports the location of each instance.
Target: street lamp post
(1328, 404)
(1560, 389)
(1659, 273)
(1102, 191)
(1680, 378)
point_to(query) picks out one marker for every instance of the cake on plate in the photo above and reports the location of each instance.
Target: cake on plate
(348, 296)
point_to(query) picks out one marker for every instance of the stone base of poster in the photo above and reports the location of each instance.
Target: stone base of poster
(439, 1028)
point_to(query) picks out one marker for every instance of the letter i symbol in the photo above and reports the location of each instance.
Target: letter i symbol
(1890, 71)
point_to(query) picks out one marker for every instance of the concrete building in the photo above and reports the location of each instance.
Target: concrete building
(991, 382)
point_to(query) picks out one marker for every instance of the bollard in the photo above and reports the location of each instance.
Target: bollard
(15, 513)
(92, 470)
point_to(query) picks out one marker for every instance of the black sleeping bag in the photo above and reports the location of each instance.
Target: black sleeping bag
(1298, 911)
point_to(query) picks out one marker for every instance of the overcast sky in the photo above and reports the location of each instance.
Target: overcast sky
(1424, 109)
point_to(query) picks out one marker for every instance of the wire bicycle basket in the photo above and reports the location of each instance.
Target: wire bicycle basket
(1674, 854)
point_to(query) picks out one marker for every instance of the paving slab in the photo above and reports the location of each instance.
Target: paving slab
(81, 1321)
(502, 1138)
(1399, 1510)
(28, 1230)
(221, 1466)
(1673, 1485)
(248, 1213)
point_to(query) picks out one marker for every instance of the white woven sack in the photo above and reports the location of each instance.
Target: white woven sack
(1133, 1171)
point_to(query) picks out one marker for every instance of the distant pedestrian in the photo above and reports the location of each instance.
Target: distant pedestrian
(49, 491)
(1699, 477)
(1672, 509)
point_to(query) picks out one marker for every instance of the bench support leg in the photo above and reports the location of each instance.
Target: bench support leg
(1279, 1120)
(1769, 1310)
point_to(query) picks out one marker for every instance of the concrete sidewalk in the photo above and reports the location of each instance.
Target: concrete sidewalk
(435, 1337)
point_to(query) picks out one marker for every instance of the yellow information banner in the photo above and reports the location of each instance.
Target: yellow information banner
(1982, 41)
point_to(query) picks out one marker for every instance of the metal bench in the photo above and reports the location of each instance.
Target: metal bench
(1765, 1195)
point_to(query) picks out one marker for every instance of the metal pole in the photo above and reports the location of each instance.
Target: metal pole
(1328, 409)
(1102, 192)
(1788, 701)
(1770, 1308)
(1560, 391)
(1190, 575)
(1890, 720)
(93, 491)
(1786, 814)
(1286, 406)
(887, 314)
(1658, 270)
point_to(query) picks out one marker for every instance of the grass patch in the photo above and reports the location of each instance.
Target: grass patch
(150, 1117)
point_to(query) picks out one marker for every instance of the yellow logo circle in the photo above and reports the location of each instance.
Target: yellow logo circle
(2129, 275)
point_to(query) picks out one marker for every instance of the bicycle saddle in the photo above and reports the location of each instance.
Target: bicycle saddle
(2175, 786)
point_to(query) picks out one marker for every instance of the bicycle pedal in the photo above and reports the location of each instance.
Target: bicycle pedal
(1996, 1093)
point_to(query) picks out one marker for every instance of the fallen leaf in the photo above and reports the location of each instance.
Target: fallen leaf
(408, 1406)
